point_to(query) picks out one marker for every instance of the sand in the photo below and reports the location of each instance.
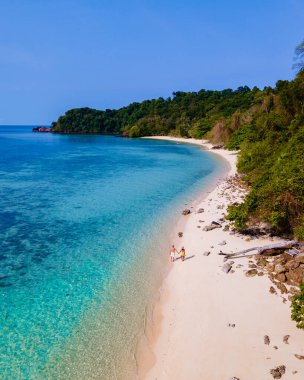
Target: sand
(209, 325)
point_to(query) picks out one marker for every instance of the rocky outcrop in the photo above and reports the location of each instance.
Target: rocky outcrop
(42, 129)
(283, 269)
(290, 270)
(286, 273)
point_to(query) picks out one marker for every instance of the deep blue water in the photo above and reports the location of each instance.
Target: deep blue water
(84, 225)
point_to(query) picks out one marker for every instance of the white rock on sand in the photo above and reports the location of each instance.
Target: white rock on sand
(213, 323)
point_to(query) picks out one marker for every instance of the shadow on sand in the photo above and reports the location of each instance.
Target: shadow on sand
(186, 258)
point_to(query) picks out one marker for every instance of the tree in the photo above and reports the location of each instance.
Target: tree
(299, 57)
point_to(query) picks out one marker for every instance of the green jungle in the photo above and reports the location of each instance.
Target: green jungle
(266, 126)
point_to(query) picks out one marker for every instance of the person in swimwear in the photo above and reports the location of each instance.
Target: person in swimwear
(172, 253)
(182, 253)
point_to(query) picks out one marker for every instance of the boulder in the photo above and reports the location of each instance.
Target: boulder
(216, 224)
(272, 290)
(300, 259)
(186, 211)
(266, 339)
(212, 226)
(207, 253)
(295, 276)
(208, 228)
(270, 267)
(292, 265)
(300, 357)
(253, 231)
(282, 288)
(278, 372)
(200, 210)
(261, 261)
(258, 230)
(252, 266)
(280, 277)
(285, 339)
(271, 276)
(279, 268)
(251, 273)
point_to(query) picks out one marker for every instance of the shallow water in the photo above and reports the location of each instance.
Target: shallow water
(84, 226)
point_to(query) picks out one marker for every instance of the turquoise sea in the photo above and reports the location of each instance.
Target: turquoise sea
(84, 235)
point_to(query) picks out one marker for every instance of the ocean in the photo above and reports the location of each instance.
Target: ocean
(85, 226)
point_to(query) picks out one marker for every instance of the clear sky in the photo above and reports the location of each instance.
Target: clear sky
(61, 54)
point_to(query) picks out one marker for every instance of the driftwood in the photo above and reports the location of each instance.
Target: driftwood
(260, 250)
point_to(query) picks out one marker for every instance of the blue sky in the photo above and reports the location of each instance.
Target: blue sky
(56, 55)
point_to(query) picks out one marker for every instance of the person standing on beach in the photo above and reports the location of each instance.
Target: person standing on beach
(182, 253)
(172, 253)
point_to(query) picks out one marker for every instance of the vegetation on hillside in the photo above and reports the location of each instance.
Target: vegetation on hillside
(267, 126)
(271, 147)
(185, 114)
(297, 308)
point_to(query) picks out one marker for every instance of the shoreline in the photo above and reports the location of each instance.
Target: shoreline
(144, 354)
(191, 335)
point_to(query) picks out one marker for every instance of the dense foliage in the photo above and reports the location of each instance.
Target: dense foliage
(297, 308)
(271, 158)
(267, 126)
(185, 114)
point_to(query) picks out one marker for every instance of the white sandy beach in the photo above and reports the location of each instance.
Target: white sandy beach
(199, 304)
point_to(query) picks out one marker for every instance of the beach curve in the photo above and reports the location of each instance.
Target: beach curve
(208, 324)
